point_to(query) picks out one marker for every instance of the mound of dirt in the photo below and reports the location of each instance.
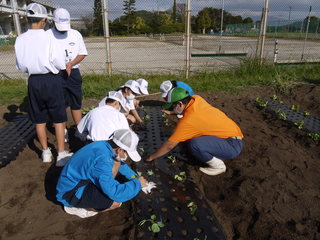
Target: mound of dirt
(270, 191)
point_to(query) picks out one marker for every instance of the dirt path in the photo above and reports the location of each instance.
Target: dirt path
(271, 191)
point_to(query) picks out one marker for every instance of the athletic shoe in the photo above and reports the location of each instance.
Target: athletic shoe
(46, 156)
(215, 167)
(63, 158)
(80, 212)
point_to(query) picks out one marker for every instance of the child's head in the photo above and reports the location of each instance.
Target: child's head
(37, 14)
(143, 86)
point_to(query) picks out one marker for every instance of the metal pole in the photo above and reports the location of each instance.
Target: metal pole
(188, 36)
(264, 29)
(276, 51)
(15, 16)
(306, 36)
(260, 34)
(222, 10)
(105, 11)
(289, 21)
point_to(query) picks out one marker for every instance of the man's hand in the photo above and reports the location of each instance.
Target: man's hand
(143, 181)
(68, 68)
(167, 112)
(149, 158)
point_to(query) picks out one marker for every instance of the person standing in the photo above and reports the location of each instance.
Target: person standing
(71, 44)
(210, 134)
(37, 55)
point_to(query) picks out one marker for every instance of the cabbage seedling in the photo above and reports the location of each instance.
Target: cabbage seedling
(192, 207)
(155, 226)
(150, 172)
(299, 124)
(181, 176)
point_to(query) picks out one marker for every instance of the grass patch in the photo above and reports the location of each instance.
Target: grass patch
(249, 73)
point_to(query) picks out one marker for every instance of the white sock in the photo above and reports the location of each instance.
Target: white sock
(46, 150)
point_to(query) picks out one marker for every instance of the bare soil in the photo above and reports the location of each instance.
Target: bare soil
(270, 191)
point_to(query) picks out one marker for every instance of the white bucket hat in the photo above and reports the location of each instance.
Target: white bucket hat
(128, 141)
(61, 18)
(36, 10)
(133, 85)
(118, 97)
(165, 87)
(143, 86)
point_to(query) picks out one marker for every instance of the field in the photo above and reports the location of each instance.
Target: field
(270, 191)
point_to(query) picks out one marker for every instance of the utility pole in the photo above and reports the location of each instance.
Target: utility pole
(188, 38)
(221, 30)
(15, 15)
(289, 20)
(306, 36)
(264, 29)
(105, 12)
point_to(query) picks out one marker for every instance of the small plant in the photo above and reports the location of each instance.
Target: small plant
(277, 110)
(299, 124)
(181, 176)
(282, 116)
(305, 113)
(163, 115)
(264, 104)
(295, 107)
(166, 122)
(150, 172)
(142, 107)
(274, 97)
(155, 226)
(314, 136)
(146, 117)
(136, 176)
(142, 149)
(85, 110)
(172, 158)
(258, 100)
(192, 207)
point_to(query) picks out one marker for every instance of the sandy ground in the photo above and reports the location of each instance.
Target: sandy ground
(270, 191)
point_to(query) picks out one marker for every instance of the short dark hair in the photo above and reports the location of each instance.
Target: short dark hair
(112, 144)
(34, 19)
(110, 100)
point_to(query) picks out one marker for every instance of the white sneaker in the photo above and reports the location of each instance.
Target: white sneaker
(215, 167)
(63, 158)
(80, 212)
(66, 136)
(46, 156)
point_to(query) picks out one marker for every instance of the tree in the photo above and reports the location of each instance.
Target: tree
(129, 11)
(98, 21)
(88, 22)
(204, 20)
(174, 11)
(248, 20)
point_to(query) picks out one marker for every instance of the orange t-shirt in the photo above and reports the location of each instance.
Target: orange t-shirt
(201, 119)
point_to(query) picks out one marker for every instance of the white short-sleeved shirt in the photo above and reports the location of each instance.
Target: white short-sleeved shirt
(71, 43)
(101, 122)
(36, 53)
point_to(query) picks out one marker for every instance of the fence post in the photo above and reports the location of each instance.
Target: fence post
(221, 29)
(105, 11)
(276, 51)
(264, 29)
(306, 36)
(15, 15)
(188, 36)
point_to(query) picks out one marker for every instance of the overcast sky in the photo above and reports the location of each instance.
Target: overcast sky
(279, 9)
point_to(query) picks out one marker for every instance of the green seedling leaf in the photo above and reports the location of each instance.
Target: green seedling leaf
(192, 207)
(153, 217)
(306, 113)
(172, 158)
(160, 224)
(258, 100)
(155, 228)
(264, 105)
(163, 115)
(299, 124)
(314, 136)
(182, 176)
(277, 111)
(142, 222)
(141, 149)
(274, 97)
(150, 172)
(294, 107)
(282, 116)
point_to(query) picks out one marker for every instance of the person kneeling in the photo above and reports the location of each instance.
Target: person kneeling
(87, 183)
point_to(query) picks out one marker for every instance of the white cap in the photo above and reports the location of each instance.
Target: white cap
(143, 86)
(165, 87)
(36, 10)
(61, 18)
(128, 141)
(133, 85)
(117, 96)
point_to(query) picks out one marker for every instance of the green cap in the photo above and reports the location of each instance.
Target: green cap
(174, 95)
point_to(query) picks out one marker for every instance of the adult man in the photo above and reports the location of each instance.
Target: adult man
(101, 122)
(71, 44)
(37, 55)
(211, 136)
(87, 183)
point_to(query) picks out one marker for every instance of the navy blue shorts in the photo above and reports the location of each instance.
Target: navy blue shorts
(46, 98)
(73, 89)
(92, 197)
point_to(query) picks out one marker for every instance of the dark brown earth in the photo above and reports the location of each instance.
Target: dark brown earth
(270, 191)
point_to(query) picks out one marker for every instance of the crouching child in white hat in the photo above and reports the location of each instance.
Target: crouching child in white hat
(87, 183)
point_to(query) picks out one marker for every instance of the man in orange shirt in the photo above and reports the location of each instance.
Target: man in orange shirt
(211, 135)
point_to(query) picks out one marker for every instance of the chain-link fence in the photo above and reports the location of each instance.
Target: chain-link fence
(150, 36)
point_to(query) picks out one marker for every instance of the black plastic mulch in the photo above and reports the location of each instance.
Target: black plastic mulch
(170, 199)
(14, 137)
